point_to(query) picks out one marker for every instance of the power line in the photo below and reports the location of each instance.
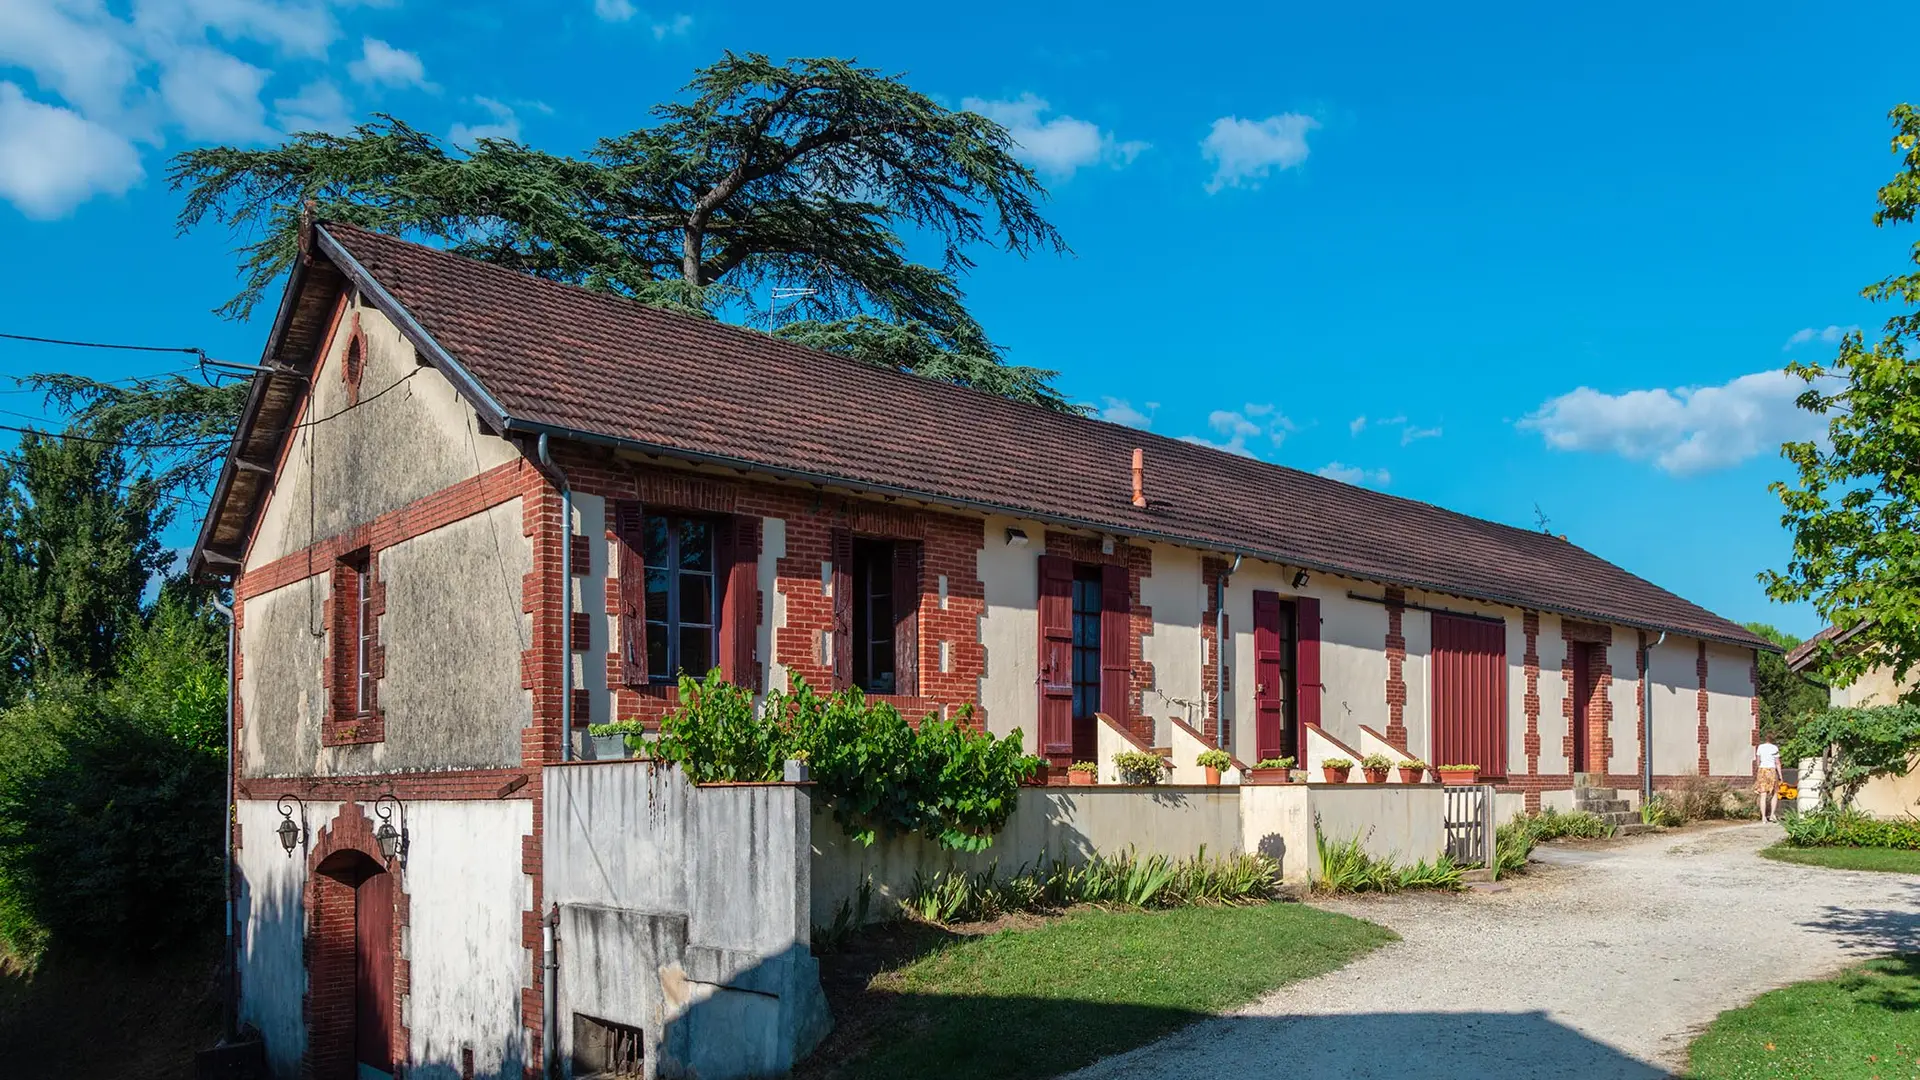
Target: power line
(103, 345)
(45, 434)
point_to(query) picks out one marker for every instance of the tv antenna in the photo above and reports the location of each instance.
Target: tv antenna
(1541, 520)
(789, 293)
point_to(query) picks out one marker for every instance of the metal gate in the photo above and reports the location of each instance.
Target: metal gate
(1469, 823)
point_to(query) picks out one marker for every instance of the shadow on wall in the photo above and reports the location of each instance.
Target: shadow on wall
(1065, 1035)
(1873, 931)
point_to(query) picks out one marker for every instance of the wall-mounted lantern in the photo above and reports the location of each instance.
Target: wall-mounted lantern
(1300, 580)
(392, 841)
(1016, 537)
(289, 833)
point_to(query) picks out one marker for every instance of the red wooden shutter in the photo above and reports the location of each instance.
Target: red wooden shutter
(1470, 693)
(1306, 659)
(1056, 656)
(842, 609)
(906, 618)
(373, 971)
(630, 540)
(1116, 646)
(739, 604)
(1269, 695)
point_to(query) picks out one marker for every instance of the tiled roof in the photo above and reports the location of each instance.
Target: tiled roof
(1803, 654)
(582, 361)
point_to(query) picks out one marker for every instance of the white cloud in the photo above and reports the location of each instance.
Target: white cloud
(1357, 425)
(1121, 411)
(1354, 474)
(52, 159)
(1412, 434)
(1059, 145)
(381, 64)
(678, 26)
(1250, 424)
(1246, 151)
(296, 27)
(1684, 430)
(75, 51)
(1829, 336)
(215, 96)
(504, 125)
(614, 10)
(319, 106)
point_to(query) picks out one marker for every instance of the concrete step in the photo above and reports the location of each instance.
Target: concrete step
(1478, 874)
(1632, 828)
(1581, 794)
(1620, 818)
(1603, 806)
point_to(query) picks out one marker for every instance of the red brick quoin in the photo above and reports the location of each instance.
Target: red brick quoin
(344, 852)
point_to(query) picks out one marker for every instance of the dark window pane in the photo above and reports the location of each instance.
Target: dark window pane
(657, 594)
(656, 545)
(696, 598)
(696, 545)
(696, 649)
(883, 661)
(657, 667)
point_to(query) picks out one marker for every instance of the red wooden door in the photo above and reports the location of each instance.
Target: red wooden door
(1056, 656)
(1269, 674)
(1470, 693)
(373, 971)
(1582, 660)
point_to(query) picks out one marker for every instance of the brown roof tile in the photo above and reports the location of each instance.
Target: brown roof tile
(575, 359)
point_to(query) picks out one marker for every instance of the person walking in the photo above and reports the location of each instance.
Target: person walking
(1766, 778)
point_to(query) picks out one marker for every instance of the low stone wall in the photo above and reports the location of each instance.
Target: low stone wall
(683, 914)
(1401, 822)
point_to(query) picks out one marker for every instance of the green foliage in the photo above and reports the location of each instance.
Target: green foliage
(1413, 763)
(1376, 760)
(876, 771)
(1551, 824)
(1274, 763)
(1140, 767)
(1345, 867)
(1336, 763)
(1126, 880)
(78, 543)
(617, 727)
(1661, 811)
(173, 428)
(1512, 845)
(1786, 696)
(1084, 767)
(808, 173)
(1854, 507)
(1459, 768)
(1847, 827)
(1213, 759)
(1857, 745)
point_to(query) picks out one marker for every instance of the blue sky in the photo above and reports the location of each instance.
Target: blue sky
(1487, 259)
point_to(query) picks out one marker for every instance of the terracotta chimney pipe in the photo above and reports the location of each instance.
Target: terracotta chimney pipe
(1139, 470)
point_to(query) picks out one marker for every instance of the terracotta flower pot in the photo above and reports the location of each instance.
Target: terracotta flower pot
(1411, 776)
(1080, 778)
(1267, 777)
(1333, 775)
(1213, 775)
(1041, 774)
(1376, 776)
(1459, 777)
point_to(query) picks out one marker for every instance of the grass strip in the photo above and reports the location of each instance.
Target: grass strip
(1864, 1023)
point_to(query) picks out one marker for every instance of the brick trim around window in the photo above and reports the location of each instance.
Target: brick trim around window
(354, 714)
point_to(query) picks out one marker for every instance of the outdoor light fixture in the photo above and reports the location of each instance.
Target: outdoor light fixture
(1016, 537)
(392, 841)
(289, 833)
(1300, 580)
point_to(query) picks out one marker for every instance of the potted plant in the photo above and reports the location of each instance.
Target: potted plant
(1215, 762)
(1411, 771)
(1459, 774)
(1335, 769)
(1140, 767)
(1037, 771)
(1376, 765)
(1083, 773)
(1273, 770)
(611, 742)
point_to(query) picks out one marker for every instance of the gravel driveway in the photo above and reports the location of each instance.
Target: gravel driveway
(1603, 962)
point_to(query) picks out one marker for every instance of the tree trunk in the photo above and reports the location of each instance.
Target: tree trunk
(690, 246)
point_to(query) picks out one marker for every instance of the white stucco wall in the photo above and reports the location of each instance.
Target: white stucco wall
(773, 548)
(1176, 593)
(466, 893)
(1730, 710)
(1551, 647)
(381, 454)
(272, 917)
(1625, 729)
(1010, 629)
(1673, 680)
(1417, 672)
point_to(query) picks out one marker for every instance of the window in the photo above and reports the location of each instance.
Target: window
(874, 665)
(1086, 642)
(363, 640)
(681, 598)
(355, 659)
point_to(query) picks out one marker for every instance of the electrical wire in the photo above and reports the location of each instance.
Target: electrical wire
(122, 443)
(103, 345)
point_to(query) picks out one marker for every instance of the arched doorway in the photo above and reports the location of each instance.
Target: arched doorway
(353, 968)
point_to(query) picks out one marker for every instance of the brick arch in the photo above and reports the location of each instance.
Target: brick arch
(344, 852)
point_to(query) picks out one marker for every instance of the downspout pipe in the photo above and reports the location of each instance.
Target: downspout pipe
(549, 1037)
(566, 600)
(1220, 654)
(1646, 718)
(229, 1003)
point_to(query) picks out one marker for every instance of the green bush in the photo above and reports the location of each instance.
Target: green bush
(1274, 763)
(1662, 811)
(1850, 828)
(1126, 880)
(1214, 759)
(877, 772)
(1140, 767)
(1551, 824)
(1345, 867)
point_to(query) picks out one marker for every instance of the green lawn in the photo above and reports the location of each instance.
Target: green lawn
(1863, 1024)
(1894, 860)
(1038, 1002)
